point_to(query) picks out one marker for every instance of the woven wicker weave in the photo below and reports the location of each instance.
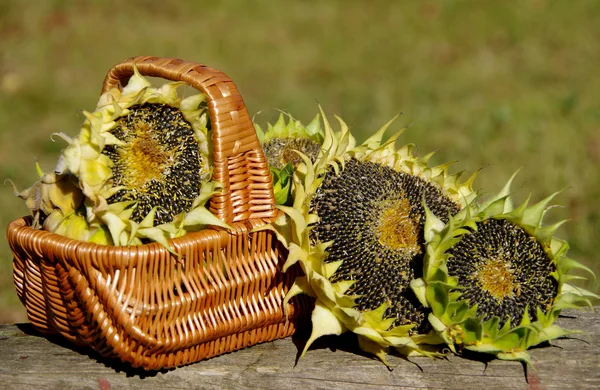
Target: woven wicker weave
(141, 303)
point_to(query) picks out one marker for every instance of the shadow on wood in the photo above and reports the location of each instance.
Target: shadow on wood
(31, 360)
(115, 364)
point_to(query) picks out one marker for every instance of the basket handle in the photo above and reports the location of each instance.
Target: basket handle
(239, 162)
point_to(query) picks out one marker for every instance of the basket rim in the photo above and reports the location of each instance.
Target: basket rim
(207, 234)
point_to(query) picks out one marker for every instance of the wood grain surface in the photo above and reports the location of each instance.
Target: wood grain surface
(29, 360)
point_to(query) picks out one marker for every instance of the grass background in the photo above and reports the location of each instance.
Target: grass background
(494, 84)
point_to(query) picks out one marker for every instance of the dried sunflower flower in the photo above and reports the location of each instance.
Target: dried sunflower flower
(56, 204)
(281, 142)
(496, 279)
(356, 228)
(143, 163)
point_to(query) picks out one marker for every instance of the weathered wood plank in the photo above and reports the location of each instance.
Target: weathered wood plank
(28, 360)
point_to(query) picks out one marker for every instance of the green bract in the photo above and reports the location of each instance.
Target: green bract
(496, 279)
(355, 228)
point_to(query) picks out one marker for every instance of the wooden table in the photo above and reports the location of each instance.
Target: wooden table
(31, 361)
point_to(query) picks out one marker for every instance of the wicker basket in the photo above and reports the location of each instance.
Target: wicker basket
(142, 304)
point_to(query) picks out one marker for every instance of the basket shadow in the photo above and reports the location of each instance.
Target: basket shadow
(112, 363)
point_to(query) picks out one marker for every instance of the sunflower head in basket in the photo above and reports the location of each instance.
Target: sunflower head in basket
(139, 170)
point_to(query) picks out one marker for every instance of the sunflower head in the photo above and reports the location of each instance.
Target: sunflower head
(52, 191)
(356, 228)
(142, 160)
(282, 139)
(282, 143)
(496, 279)
(57, 205)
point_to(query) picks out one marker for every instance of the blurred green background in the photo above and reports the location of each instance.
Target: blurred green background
(493, 84)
